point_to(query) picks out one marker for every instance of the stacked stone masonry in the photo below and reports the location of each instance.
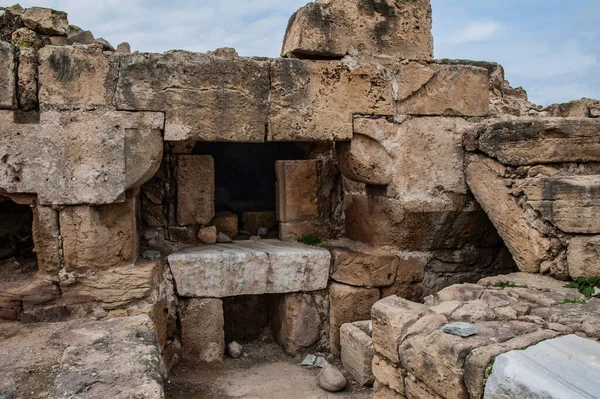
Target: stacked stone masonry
(410, 175)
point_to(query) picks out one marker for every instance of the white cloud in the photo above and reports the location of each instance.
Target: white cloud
(474, 32)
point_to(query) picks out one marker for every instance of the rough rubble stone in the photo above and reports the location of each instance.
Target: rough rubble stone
(388, 374)
(100, 237)
(541, 140)
(205, 97)
(8, 68)
(583, 257)
(207, 271)
(27, 82)
(26, 37)
(226, 223)
(50, 169)
(357, 351)
(208, 235)
(124, 48)
(235, 350)
(294, 322)
(348, 304)
(569, 203)
(45, 231)
(202, 332)
(297, 190)
(83, 37)
(46, 21)
(527, 245)
(364, 269)
(195, 189)
(10, 21)
(336, 28)
(253, 221)
(331, 379)
(223, 238)
(106, 46)
(77, 77)
(563, 367)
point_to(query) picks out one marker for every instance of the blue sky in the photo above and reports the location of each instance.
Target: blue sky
(550, 47)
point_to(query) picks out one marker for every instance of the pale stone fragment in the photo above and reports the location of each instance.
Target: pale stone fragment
(202, 330)
(357, 351)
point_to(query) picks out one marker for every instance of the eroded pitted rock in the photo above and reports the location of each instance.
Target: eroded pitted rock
(46, 21)
(8, 67)
(328, 29)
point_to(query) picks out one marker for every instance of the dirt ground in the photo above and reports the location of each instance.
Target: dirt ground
(264, 372)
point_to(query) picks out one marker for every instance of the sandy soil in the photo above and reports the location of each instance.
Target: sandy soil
(264, 372)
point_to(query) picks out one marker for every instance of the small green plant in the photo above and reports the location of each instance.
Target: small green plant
(575, 301)
(490, 368)
(587, 286)
(310, 239)
(507, 284)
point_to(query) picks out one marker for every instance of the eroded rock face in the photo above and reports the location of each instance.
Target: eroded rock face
(199, 93)
(46, 21)
(202, 332)
(295, 322)
(364, 160)
(8, 96)
(339, 27)
(46, 158)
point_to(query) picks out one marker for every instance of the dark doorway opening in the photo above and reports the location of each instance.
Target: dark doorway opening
(17, 258)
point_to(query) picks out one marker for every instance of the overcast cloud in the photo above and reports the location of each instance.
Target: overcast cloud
(550, 47)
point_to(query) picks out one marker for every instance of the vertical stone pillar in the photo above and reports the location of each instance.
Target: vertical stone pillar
(202, 330)
(195, 189)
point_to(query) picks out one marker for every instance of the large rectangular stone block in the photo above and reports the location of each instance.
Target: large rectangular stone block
(294, 321)
(250, 268)
(583, 256)
(79, 157)
(364, 269)
(99, 237)
(297, 190)
(46, 238)
(205, 97)
(544, 140)
(195, 189)
(8, 69)
(202, 330)
(315, 100)
(570, 203)
(348, 304)
(401, 29)
(357, 351)
(77, 77)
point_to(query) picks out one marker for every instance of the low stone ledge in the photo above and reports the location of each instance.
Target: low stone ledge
(262, 267)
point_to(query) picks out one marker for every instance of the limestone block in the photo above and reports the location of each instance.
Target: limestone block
(46, 239)
(227, 223)
(262, 267)
(570, 203)
(357, 351)
(416, 389)
(46, 21)
(527, 245)
(27, 84)
(195, 189)
(297, 190)
(539, 141)
(583, 256)
(348, 304)
(333, 29)
(563, 367)
(364, 160)
(8, 68)
(110, 358)
(78, 157)
(26, 38)
(315, 100)
(113, 288)
(99, 237)
(252, 221)
(411, 291)
(364, 269)
(202, 333)
(295, 230)
(411, 266)
(77, 77)
(426, 155)
(391, 316)
(416, 225)
(205, 97)
(381, 391)
(388, 374)
(208, 235)
(449, 90)
(143, 155)
(294, 322)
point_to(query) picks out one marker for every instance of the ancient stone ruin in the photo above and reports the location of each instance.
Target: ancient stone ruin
(352, 199)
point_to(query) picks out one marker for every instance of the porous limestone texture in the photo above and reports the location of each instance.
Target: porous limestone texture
(510, 312)
(80, 157)
(357, 351)
(8, 69)
(326, 29)
(261, 267)
(565, 367)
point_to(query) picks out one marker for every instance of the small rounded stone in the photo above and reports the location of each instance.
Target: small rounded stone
(331, 379)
